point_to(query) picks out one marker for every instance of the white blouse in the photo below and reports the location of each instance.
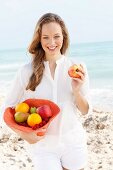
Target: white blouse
(66, 127)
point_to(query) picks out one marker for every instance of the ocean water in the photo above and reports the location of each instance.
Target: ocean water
(98, 58)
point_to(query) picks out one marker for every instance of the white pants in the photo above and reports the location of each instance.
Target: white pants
(69, 157)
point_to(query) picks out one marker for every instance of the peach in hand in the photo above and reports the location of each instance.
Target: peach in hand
(73, 71)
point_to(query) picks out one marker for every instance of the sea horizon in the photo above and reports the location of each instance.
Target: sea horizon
(71, 44)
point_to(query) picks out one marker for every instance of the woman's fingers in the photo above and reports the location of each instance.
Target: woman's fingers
(30, 137)
(82, 76)
(82, 69)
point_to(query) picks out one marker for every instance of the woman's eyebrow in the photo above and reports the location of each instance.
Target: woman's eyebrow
(54, 34)
(44, 35)
(57, 34)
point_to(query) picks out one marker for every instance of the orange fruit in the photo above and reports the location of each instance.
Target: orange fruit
(22, 107)
(34, 119)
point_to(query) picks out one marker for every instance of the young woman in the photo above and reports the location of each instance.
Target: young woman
(64, 145)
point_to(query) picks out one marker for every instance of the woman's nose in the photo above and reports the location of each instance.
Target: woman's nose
(52, 41)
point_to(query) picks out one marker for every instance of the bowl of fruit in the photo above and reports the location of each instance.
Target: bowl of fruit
(31, 115)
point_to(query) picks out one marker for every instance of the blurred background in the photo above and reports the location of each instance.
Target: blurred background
(90, 25)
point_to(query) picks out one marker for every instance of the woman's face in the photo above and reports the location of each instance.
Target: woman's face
(51, 39)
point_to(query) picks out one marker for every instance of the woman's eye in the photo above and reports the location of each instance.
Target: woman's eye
(45, 37)
(57, 36)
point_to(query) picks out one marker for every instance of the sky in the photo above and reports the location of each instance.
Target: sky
(86, 20)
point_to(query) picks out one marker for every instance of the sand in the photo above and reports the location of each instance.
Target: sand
(99, 127)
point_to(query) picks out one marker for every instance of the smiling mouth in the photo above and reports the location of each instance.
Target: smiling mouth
(51, 48)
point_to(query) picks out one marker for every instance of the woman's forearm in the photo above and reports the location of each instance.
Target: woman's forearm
(81, 103)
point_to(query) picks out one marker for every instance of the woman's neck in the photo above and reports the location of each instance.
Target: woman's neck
(53, 58)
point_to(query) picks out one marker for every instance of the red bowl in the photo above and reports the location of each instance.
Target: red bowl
(9, 116)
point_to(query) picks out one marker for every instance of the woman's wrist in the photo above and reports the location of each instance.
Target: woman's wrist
(77, 94)
(81, 102)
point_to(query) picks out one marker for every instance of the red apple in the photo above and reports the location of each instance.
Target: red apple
(73, 71)
(44, 111)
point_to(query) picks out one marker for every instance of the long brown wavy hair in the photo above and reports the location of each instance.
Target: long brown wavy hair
(37, 51)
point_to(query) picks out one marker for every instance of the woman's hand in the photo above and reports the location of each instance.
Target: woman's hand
(77, 82)
(30, 137)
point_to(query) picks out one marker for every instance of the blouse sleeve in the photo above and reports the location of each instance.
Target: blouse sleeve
(16, 91)
(85, 89)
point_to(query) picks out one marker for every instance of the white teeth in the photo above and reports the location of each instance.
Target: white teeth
(51, 48)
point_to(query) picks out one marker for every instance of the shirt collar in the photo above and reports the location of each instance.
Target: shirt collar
(60, 60)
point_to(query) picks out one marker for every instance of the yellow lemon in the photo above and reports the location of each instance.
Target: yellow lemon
(34, 119)
(22, 107)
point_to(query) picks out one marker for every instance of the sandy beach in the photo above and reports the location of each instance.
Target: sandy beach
(99, 127)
